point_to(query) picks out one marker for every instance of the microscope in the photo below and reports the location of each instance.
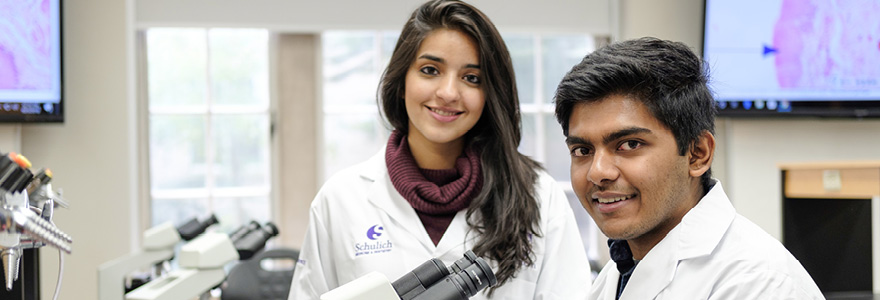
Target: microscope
(158, 248)
(429, 281)
(202, 263)
(27, 204)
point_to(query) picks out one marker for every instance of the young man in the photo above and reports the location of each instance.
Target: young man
(639, 118)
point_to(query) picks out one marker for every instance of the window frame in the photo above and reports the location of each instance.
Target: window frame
(210, 191)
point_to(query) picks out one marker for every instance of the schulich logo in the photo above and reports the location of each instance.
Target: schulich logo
(374, 232)
(375, 244)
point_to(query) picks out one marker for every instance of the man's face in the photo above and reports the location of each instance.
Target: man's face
(626, 170)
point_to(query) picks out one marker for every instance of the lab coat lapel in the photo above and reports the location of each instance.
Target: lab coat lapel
(699, 232)
(607, 282)
(654, 272)
(384, 196)
(455, 234)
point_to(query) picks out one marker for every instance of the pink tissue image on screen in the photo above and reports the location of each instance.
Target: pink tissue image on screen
(8, 74)
(828, 44)
(25, 44)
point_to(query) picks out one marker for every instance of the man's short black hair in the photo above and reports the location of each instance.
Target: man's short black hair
(667, 77)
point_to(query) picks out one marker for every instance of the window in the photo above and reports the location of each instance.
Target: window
(353, 63)
(209, 120)
(539, 63)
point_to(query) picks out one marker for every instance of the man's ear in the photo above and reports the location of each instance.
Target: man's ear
(701, 153)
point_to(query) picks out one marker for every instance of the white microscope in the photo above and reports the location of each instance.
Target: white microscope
(202, 263)
(430, 281)
(158, 248)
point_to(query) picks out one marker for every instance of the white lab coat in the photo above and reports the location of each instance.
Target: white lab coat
(714, 253)
(360, 223)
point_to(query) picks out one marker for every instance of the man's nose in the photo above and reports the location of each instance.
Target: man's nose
(603, 169)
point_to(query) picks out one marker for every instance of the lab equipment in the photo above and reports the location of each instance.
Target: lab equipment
(158, 247)
(26, 223)
(431, 280)
(202, 263)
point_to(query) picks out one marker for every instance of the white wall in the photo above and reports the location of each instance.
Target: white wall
(750, 149)
(10, 138)
(591, 16)
(756, 147)
(91, 153)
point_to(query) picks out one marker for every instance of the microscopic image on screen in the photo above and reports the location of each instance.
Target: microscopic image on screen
(828, 44)
(25, 45)
(797, 50)
(30, 61)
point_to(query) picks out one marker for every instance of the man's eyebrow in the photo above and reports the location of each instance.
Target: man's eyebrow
(624, 132)
(572, 140)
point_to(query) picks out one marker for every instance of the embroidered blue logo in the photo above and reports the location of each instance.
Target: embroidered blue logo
(378, 242)
(374, 232)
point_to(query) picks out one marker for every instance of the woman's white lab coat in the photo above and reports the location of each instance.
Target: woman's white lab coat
(714, 253)
(359, 223)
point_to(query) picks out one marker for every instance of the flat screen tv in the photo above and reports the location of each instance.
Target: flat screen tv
(794, 57)
(30, 61)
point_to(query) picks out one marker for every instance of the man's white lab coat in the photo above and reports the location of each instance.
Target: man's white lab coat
(714, 253)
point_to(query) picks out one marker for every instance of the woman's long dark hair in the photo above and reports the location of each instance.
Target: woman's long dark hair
(508, 202)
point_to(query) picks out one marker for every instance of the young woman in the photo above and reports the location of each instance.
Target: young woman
(450, 178)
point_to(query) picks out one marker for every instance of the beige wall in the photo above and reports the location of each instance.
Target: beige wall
(298, 155)
(750, 149)
(92, 152)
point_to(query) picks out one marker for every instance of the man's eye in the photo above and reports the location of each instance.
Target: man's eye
(580, 151)
(430, 70)
(630, 145)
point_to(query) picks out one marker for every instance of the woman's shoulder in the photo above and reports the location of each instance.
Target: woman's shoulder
(545, 185)
(544, 178)
(550, 195)
(368, 170)
(352, 180)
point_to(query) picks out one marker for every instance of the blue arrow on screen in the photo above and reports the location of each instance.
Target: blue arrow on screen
(768, 50)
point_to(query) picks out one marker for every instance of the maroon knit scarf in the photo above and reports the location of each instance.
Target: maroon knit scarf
(436, 195)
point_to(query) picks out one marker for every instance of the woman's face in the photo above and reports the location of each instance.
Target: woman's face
(444, 97)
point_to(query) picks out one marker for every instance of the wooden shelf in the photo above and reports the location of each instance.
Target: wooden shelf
(857, 180)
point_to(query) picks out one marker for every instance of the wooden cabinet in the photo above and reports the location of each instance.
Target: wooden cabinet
(831, 223)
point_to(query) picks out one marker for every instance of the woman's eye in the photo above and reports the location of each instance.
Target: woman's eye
(430, 70)
(580, 151)
(630, 145)
(472, 78)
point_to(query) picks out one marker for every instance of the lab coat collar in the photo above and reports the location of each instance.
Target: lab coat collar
(384, 196)
(699, 232)
(704, 225)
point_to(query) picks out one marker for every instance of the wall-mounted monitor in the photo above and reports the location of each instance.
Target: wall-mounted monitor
(30, 61)
(794, 57)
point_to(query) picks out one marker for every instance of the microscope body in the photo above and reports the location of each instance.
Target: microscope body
(201, 269)
(374, 285)
(429, 281)
(159, 243)
(202, 263)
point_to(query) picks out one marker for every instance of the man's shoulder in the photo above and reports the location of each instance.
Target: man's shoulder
(747, 248)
